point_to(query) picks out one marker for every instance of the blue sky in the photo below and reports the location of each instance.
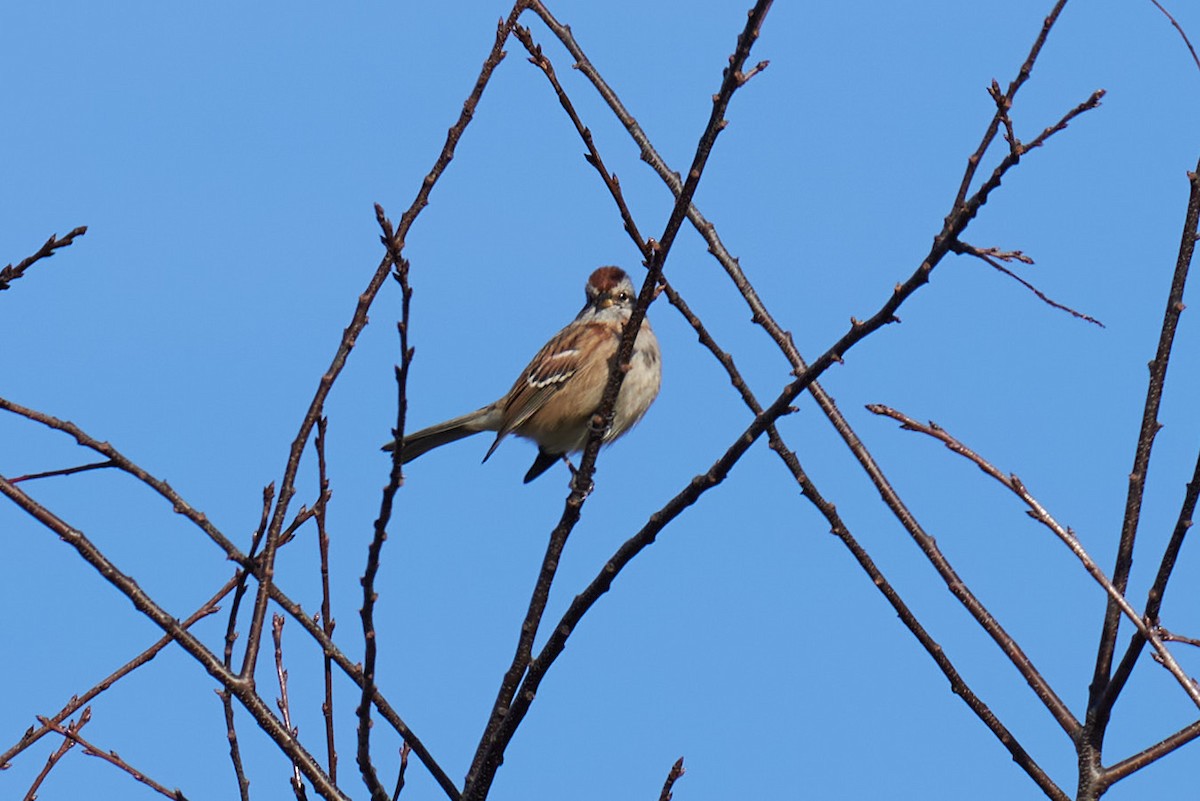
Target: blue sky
(226, 157)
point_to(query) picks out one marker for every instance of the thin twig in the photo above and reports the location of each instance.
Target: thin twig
(673, 775)
(242, 690)
(992, 257)
(404, 752)
(67, 744)
(127, 465)
(593, 157)
(250, 565)
(327, 622)
(1170, 636)
(32, 735)
(1179, 28)
(1003, 107)
(285, 707)
(1158, 589)
(66, 471)
(1133, 764)
(358, 321)
(235, 751)
(302, 516)
(1100, 696)
(10, 273)
(1039, 513)
(1092, 102)
(375, 550)
(112, 758)
(1023, 74)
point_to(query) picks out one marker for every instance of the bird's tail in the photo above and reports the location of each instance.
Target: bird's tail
(449, 431)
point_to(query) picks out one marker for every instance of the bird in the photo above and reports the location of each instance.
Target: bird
(554, 399)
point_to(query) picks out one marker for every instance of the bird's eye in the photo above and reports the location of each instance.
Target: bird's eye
(623, 297)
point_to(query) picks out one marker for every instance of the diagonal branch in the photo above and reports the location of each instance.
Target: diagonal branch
(1157, 590)
(673, 775)
(11, 273)
(1100, 701)
(63, 471)
(54, 758)
(33, 735)
(250, 565)
(1128, 767)
(960, 687)
(358, 321)
(1039, 513)
(72, 734)
(1004, 103)
(963, 211)
(992, 258)
(264, 571)
(1178, 28)
(240, 688)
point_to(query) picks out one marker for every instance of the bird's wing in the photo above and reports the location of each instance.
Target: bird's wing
(559, 361)
(548, 372)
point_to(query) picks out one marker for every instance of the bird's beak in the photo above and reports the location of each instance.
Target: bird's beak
(605, 302)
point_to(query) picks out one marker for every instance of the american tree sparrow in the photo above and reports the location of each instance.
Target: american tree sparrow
(553, 401)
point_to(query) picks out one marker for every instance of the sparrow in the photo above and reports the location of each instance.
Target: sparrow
(557, 394)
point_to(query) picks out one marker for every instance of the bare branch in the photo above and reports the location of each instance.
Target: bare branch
(1100, 699)
(285, 708)
(59, 753)
(248, 563)
(1087, 105)
(10, 273)
(593, 157)
(235, 751)
(244, 691)
(65, 471)
(404, 752)
(957, 684)
(327, 621)
(112, 758)
(1169, 636)
(1003, 105)
(1039, 513)
(1127, 767)
(77, 702)
(1154, 598)
(358, 321)
(673, 775)
(993, 258)
(375, 550)
(126, 465)
(1179, 28)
